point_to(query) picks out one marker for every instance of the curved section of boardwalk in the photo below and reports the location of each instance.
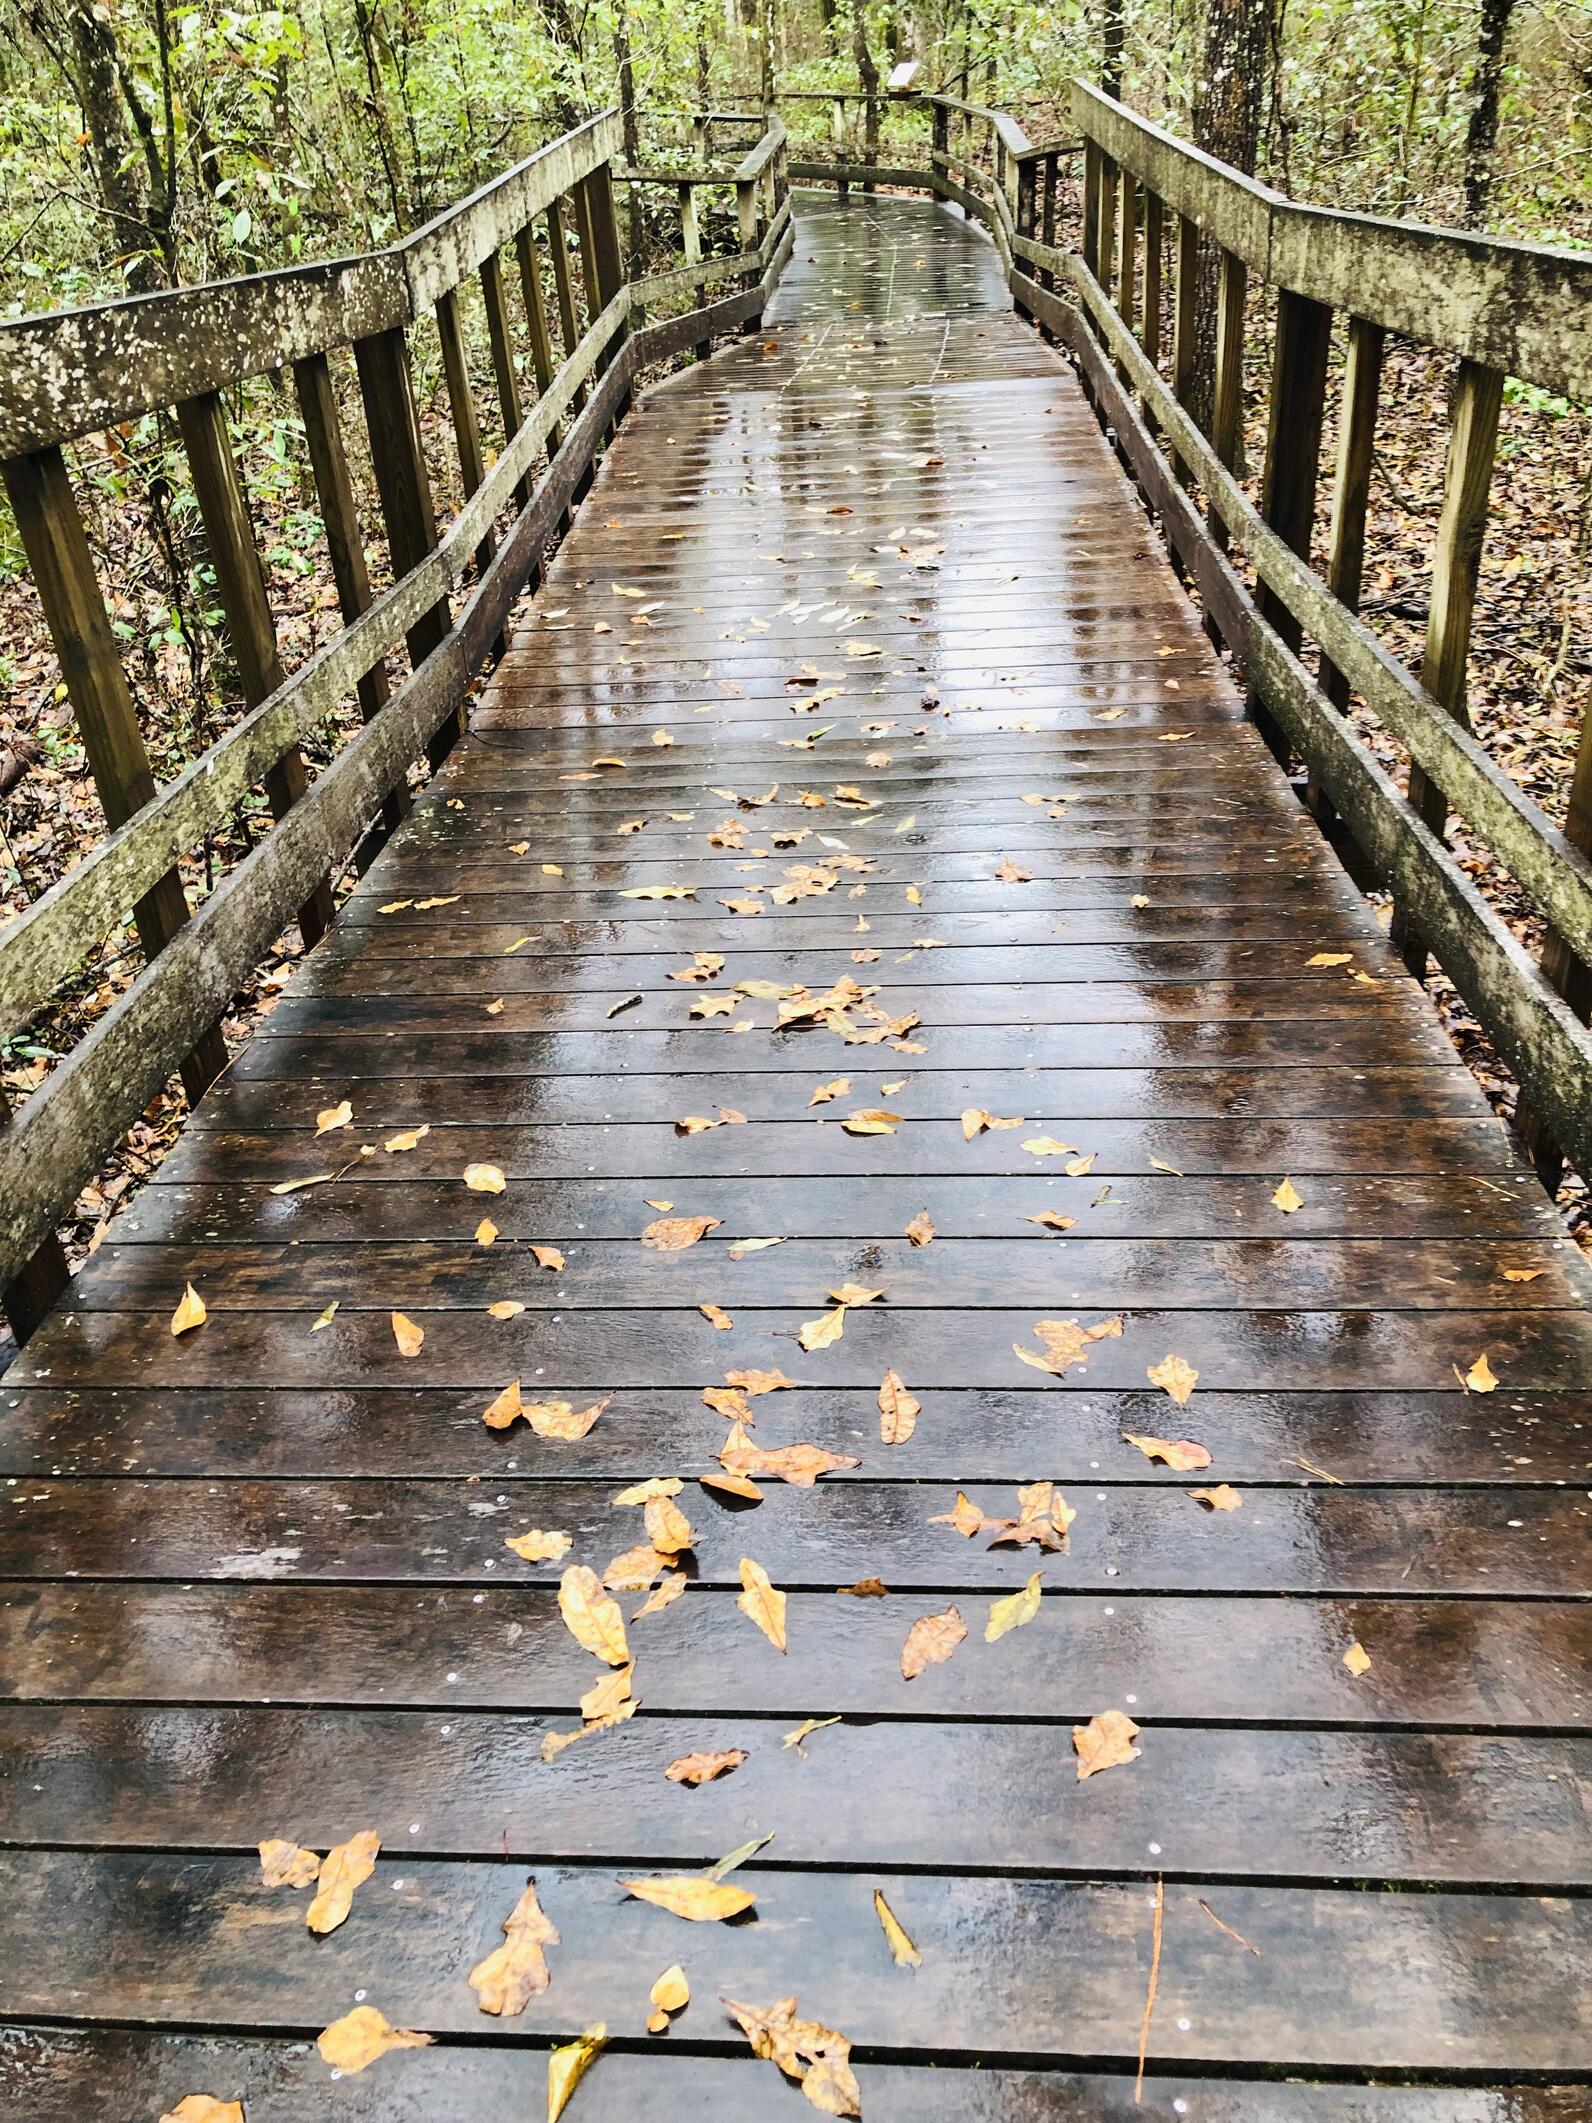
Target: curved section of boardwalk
(860, 676)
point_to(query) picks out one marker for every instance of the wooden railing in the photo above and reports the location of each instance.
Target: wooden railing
(550, 222)
(1152, 211)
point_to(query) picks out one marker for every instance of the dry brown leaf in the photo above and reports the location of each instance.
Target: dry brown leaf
(823, 1332)
(284, 1864)
(1011, 873)
(668, 1528)
(716, 1316)
(864, 1589)
(1480, 1377)
(799, 1465)
(410, 1338)
(976, 1119)
(744, 1246)
(1522, 1275)
(817, 2057)
(486, 1235)
(1065, 1343)
(548, 1257)
(561, 1420)
(660, 892)
(902, 1951)
(1176, 1377)
(690, 1895)
(1221, 1498)
(636, 1569)
(854, 1294)
(665, 1596)
(1330, 958)
(920, 1230)
(1357, 1659)
(506, 1408)
(670, 1993)
(343, 1868)
(1288, 1198)
(537, 1546)
(606, 1696)
(898, 1411)
(967, 1518)
(703, 1768)
(568, 2065)
(484, 1179)
(1048, 1146)
(406, 1139)
(506, 1308)
(591, 1616)
(1179, 1452)
(190, 1311)
(363, 2035)
(1013, 1611)
(733, 1485)
(759, 1382)
(1043, 1517)
(761, 1602)
(1106, 1742)
(204, 2108)
(871, 1120)
(930, 1642)
(837, 1087)
(332, 1117)
(515, 1972)
(729, 1401)
(672, 1234)
(1053, 1220)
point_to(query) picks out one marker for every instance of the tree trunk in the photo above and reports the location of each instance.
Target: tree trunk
(630, 123)
(1114, 33)
(1481, 135)
(1228, 101)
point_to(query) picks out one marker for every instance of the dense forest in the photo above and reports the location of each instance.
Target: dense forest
(147, 144)
(144, 143)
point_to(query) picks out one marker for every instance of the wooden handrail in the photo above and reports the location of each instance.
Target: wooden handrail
(63, 375)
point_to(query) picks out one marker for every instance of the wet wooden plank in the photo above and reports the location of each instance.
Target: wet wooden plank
(1432, 1981)
(1484, 1664)
(1516, 1543)
(985, 1435)
(1222, 1804)
(70, 2073)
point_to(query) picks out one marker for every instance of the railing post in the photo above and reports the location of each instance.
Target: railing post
(1570, 976)
(404, 485)
(940, 133)
(28, 1297)
(62, 568)
(1047, 217)
(1227, 407)
(563, 287)
(334, 490)
(1351, 495)
(1093, 171)
(1185, 326)
(504, 374)
(461, 405)
(1456, 564)
(1127, 252)
(240, 580)
(1293, 457)
(837, 134)
(870, 139)
(607, 271)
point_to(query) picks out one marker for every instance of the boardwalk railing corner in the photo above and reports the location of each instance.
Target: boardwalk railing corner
(582, 319)
(1156, 219)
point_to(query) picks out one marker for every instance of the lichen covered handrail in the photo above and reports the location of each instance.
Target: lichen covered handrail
(69, 374)
(1499, 309)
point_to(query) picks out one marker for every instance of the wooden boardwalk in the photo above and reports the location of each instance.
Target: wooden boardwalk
(861, 676)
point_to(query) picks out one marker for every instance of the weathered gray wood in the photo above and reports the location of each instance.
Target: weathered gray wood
(1518, 307)
(1351, 490)
(500, 336)
(1227, 402)
(62, 568)
(1456, 566)
(73, 371)
(404, 485)
(1293, 439)
(240, 582)
(1557, 874)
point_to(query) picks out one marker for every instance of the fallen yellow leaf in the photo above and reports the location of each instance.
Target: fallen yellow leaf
(363, 2035)
(331, 1117)
(1013, 1611)
(672, 1234)
(537, 1546)
(823, 1332)
(1221, 1498)
(898, 1411)
(902, 1951)
(761, 1602)
(1480, 1378)
(568, 2065)
(1288, 1198)
(409, 1337)
(1179, 1452)
(285, 1864)
(204, 2108)
(690, 1895)
(591, 1616)
(930, 1642)
(190, 1311)
(1357, 1659)
(1106, 1742)
(1176, 1377)
(484, 1179)
(343, 1869)
(515, 1972)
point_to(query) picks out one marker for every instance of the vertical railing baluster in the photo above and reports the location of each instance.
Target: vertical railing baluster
(500, 338)
(1227, 407)
(404, 485)
(240, 582)
(1293, 460)
(334, 490)
(1185, 327)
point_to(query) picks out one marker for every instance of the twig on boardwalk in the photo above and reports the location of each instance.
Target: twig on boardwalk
(1149, 1996)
